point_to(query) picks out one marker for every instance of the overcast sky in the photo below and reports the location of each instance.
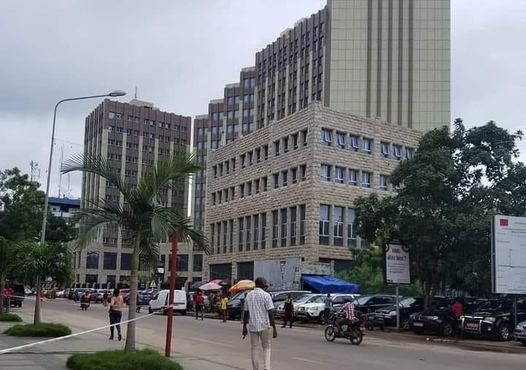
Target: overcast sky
(180, 54)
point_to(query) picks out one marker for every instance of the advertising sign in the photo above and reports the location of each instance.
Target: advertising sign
(508, 255)
(397, 270)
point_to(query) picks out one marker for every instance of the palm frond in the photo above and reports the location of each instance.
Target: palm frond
(93, 220)
(98, 166)
(186, 232)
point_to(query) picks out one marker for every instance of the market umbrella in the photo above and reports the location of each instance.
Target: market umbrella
(242, 285)
(197, 284)
(210, 286)
(216, 281)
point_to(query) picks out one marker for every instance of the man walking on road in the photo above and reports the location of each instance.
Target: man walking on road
(259, 317)
(199, 304)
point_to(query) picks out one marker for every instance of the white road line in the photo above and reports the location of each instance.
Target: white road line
(307, 360)
(211, 342)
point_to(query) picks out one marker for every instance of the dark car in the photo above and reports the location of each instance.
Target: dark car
(235, 305)
(371, 303)
(520, 332)
(407, 306)
(438, 320)
(494, 320)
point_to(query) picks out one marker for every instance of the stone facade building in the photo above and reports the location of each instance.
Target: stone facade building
(279, 200)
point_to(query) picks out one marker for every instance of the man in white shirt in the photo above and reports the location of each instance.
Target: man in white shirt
(259, 316)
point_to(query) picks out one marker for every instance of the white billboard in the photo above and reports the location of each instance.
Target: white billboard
(397, 270)
(280, 274)
(509, 254)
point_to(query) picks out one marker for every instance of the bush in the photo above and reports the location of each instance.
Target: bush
(38, 330)
(112, 360)
(6, 316)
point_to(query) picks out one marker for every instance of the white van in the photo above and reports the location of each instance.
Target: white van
(159, 302)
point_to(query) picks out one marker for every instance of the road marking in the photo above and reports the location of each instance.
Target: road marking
(307, 360)
(210, 342)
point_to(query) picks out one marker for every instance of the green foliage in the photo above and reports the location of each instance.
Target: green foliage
(50, 330)
(445, 198)
(32, 261)
(366, 271)
(111, 360)
(21, 203)
(143, 219)
(7, 316)
(60, 230)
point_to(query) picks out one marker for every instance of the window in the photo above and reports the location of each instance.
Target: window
(338, 226)
(255, 221)
(258, 155)
(92, 260)
(351, 233)
(304, 137)
(302, 224)
(265, 183)
(126, 261)
(198, 262)
(303, 172)
(325, 172)
(383, 182)
(233, 161)
(284, 176)
(384, 149)
(340, 140)
(231, 236)
(232, 193)
(212, 236)
(284, 227)
(338, 174)
(214, 199)
(241, 233)
(353, 177)
(326, 136)
(242, 190)
(263, 230)
(182, 262)
(409, 153)
(249, 188)
(276, 180)
(256, 185)
(243, 157)
(293, 225)
(324, 223)
(276, 147)
(248, 238)
(110, 261)
(397, 151)
(275, 229)
(366, 179)
(265, 152)
(295, 141)
(111, 115)
(285, 144)
(294, 175)
(367, 145)
(353, 142)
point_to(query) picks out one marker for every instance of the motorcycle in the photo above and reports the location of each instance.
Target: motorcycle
(334, 330)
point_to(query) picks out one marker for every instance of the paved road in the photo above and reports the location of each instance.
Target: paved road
(294, 349)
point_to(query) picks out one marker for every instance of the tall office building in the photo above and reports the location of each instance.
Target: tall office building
(133, 137)
(384, 61)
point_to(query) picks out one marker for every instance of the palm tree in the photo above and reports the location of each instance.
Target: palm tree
(33, 263)
(142, 218)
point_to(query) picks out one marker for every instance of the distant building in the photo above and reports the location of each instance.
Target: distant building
(63, 207)
(133, 137)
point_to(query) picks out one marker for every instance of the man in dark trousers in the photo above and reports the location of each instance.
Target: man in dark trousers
(258, 319)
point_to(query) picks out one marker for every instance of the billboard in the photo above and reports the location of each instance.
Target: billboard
(508, 254)
(397, 270)
(280, 274)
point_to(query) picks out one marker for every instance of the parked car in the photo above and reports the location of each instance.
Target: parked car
(235, 305)
(439, 320)
(145, 296)
(314, 306)
(520, 332)
(387, 316)
(159, 302)
(369, 304)
(493, 320)
(279, 296)
(280, 307)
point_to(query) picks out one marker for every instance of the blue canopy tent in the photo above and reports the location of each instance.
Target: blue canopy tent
(328, 284)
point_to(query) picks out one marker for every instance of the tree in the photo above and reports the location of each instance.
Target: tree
(60, 230)
(366, 270)
(142, 218)
(5, 264)
(21, 206)
(33, 263)
(446, 195)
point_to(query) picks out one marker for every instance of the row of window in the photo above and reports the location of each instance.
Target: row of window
(145, 148)
(357, 143)
(283, 178)
(353, 177)
(150, 122)
(336, 225)
(288, 142)
(288, 229)
(247, 98)
(110, 261)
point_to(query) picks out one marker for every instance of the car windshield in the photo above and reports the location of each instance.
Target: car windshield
(315, 299)
(363, 300)
(407, 302)
(304, 298)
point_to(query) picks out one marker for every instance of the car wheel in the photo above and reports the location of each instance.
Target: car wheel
(330, 333)
(447, 329)
(405, 324)
(150, 310)
(503, 332)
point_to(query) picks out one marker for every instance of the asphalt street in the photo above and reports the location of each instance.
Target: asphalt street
(294, 349)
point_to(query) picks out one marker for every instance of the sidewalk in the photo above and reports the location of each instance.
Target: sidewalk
(53, 356)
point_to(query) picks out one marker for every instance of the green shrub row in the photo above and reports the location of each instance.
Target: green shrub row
(38, 330)
(121, 360)
(7, 316)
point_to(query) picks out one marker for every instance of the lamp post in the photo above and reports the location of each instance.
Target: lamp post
(44, 217)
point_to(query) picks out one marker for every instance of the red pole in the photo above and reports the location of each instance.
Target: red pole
(168, 347)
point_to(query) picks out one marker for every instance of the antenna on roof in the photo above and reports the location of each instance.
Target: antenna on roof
(135, 96)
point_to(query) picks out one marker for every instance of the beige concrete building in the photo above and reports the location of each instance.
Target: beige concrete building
(133, 137)
(279, 200)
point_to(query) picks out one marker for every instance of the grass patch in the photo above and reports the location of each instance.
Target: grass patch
(7, 316)
(39, 330)
(121, 360)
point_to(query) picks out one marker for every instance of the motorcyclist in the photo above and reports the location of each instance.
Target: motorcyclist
(347, 313)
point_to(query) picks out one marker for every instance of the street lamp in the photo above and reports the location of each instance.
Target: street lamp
(114, 93)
